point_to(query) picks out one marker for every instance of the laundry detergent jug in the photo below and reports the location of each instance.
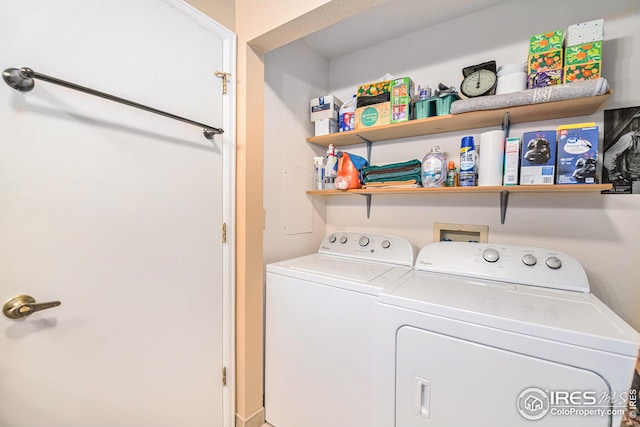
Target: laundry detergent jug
(349, 167)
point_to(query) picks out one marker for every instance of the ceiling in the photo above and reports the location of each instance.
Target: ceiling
(388, 21)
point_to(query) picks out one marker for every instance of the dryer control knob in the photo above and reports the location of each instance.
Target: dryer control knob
(364, 241)
(529, 260)
(332, 238)
(386, 244)
(491, 255)
(343, 239)
(554, 262)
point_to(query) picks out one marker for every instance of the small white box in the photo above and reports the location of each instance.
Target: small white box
(585, 32)
(325, 107)
(326, 126)
(511, 161)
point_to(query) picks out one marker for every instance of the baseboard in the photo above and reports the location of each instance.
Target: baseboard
(255, 420)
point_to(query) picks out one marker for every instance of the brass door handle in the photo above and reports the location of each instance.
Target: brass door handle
(22, 306)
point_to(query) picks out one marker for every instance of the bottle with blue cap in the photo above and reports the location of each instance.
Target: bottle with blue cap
(468, 163)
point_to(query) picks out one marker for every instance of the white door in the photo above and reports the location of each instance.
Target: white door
(115, 212)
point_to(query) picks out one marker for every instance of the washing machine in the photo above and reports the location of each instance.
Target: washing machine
(493, 335)
(321, 329)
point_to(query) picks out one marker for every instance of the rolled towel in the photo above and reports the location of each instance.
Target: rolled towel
(583, 89)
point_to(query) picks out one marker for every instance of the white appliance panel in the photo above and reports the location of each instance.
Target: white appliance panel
(447, 382)
(565, 316)
(321, 343)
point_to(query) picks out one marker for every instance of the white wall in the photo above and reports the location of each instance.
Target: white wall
(294, 222)
(598, 230)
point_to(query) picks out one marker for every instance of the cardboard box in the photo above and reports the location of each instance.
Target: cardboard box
(325, 107)
(373, 115)
(583, 53)
(402, 87)
(577, 154)
(576, 73)
(401, 109)
(544, 42)
(373, 93)
(511, 161)
(585, 32)
(402, 91)
(551, 60)
(538, 158)
(545, 78)
(326, 126)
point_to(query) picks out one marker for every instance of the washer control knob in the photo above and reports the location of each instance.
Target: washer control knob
(491, 255)
(529, 260)
(554, 262)
(343, 239)
(364, 241)
(386, 244)
(332, 238)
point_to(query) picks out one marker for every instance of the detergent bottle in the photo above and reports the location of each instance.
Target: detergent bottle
(348, 174)
(434, 168)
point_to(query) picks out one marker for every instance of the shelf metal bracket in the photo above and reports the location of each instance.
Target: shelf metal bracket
(369, 144)
(506, 124)
(368, 197)
(504, 201)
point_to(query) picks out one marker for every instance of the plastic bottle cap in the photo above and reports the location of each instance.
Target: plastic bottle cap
(467, 141)
(451, 165)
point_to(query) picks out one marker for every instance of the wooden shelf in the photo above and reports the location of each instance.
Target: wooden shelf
(464, 121)
(503, 191)
(566, 188)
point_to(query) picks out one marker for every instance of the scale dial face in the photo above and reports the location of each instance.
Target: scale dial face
(479, 83)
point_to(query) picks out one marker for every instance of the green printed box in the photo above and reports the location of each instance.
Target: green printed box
(583, 53)
(551, 60)
(545, 42)
(576, 73)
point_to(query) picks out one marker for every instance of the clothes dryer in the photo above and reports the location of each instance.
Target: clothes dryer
(321, 329)
(496, 335)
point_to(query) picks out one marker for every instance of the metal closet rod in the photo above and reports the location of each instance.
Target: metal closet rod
(23, 80)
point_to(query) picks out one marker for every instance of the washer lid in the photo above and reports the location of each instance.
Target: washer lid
(352, 270)
(559, 315)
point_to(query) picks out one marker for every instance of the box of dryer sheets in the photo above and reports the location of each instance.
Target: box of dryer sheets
(402, 91)
(577, 154)
(511, 161)
(325, 107)
(538, 158)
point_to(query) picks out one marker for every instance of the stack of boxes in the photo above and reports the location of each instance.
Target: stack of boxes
(549, 64)
(545, 59)
(583, 54)
(401, 95)
(324, 112)
(385, 102)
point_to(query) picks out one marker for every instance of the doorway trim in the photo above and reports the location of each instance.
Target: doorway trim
(229, 47)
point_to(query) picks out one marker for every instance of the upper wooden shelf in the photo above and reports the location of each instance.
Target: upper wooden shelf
(464, 121)
(560, 188)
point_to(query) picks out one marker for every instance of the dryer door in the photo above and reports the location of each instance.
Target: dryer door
(448, 382)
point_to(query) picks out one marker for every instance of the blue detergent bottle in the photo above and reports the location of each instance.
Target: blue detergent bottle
(468, 163)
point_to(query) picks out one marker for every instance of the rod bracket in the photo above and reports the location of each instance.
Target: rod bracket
(20, 79)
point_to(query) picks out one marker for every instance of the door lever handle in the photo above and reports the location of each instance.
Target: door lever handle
(22, 306)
